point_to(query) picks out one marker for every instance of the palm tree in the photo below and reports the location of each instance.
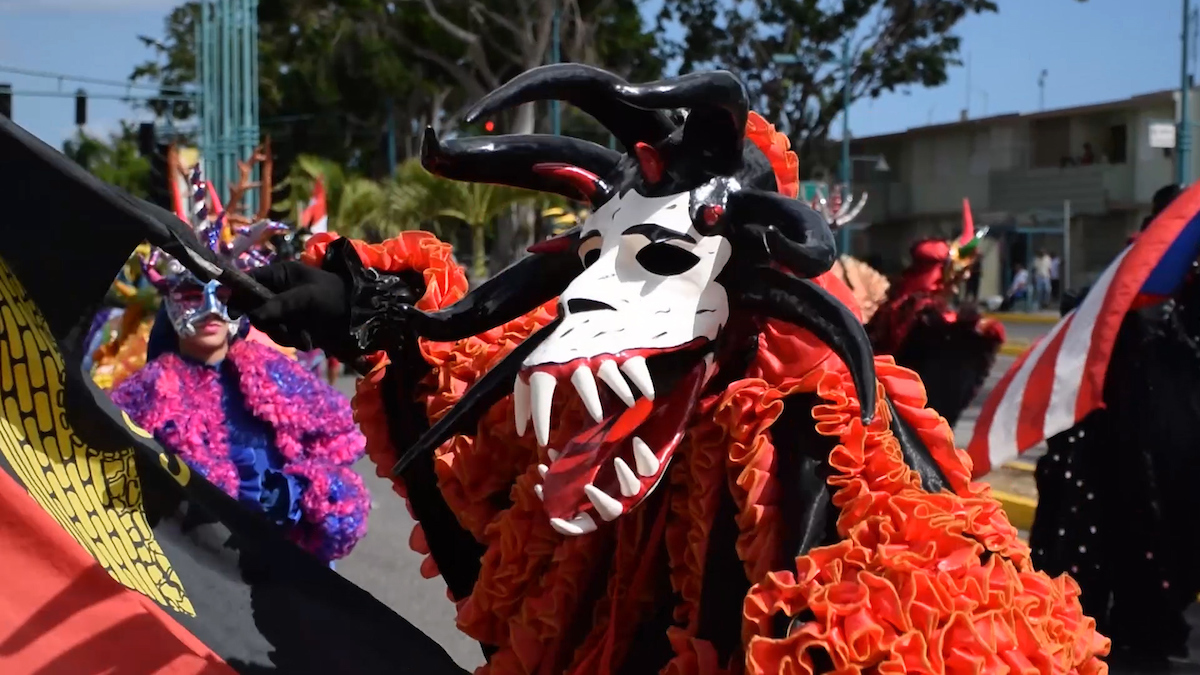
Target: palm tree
(355, 205)
(417, 198)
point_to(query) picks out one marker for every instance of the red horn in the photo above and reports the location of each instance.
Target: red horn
(587, 183)
(650, 160)
(968, 232)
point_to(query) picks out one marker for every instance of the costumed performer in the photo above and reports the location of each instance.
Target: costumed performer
(247, 417)
(116, 342)
(1117, 497)
(951, 348)
(661, 443)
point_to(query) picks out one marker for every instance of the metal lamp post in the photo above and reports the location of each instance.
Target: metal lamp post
(847, 73)
(1183, 133)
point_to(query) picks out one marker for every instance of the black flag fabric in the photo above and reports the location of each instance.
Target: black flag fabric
(222, 572)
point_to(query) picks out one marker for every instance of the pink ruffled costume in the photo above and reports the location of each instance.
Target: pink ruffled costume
(310, 425)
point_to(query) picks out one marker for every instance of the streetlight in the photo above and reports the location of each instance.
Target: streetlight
(847, 73)
(1184, 132)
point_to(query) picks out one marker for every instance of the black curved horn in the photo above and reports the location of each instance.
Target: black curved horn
(717, 107)
(511, 160)
(588, 88)
(803, 303)
(790, 231)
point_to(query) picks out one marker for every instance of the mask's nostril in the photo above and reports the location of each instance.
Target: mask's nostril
(580, 305)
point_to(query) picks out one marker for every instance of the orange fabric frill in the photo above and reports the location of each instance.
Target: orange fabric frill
(921, 582)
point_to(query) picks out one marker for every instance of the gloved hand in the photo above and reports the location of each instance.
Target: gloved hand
(310, 309)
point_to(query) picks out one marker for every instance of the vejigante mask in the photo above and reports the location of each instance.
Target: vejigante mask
(190, 303)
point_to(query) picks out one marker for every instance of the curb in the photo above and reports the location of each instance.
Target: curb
(1015, 347)
(1020, 509)
(1024, 317)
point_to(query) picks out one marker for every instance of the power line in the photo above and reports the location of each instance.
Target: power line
(111, 97)
(89, 80)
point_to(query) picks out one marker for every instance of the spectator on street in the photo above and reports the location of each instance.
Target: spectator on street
(1041, 280)
(1018, 289)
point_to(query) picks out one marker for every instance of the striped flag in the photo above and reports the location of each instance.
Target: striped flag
(1061, 378)
(315, 216)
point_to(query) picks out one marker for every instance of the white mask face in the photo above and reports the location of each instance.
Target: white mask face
(635, 344)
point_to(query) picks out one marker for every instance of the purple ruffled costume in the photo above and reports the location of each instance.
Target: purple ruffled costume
(313, 445)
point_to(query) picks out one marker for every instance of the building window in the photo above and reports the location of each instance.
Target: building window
(1118, 142)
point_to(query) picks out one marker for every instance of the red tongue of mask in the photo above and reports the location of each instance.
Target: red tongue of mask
(588, 457)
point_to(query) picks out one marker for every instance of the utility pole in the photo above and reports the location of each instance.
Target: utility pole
(1183, 133)
(556, 57)
(847, 72)
(1042, 89)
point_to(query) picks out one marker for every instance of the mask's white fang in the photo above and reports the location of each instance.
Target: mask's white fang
(647, 463)
(611, 374)
(540, 492)
(639, 374)
(521, 405)
(585, 384)
(630, 485)
(580, 524)
(543, 470)
(608, 508)
(541, 387)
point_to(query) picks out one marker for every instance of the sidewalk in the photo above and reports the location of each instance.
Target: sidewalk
(1022, 329)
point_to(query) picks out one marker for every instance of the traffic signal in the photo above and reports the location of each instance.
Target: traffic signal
(158, 190)
(489, 126)
(80, 107)
(6, 100)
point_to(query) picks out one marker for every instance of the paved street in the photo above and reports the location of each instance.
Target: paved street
(384, 565)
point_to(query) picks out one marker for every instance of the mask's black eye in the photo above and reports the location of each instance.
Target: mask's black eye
(589, 251)
(666, 260)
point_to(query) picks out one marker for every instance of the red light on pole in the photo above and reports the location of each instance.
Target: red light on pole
(489, 126)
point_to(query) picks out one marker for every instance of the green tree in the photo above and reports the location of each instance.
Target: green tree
(418, 199)
(115, 160)
(894, 45)
(354, 204)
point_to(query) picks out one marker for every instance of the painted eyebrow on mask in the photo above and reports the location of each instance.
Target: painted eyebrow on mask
(658, 233)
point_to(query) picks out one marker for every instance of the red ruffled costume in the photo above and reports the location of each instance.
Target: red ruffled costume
(921, 288)
(910, 588)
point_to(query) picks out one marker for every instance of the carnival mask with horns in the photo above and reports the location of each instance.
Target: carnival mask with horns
(690, 243)
(188, 301)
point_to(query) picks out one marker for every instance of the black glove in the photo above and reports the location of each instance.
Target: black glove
(310, 309)
(341, 308)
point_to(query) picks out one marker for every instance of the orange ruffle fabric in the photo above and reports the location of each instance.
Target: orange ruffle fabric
(921, 582)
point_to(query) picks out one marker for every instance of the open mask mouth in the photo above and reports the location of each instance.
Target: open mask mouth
(638, 417)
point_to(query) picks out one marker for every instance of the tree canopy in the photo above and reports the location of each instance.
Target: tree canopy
(894, 44)
(114, 160)
(329, 71)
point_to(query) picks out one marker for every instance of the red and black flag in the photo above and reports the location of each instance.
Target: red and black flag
(116, 557)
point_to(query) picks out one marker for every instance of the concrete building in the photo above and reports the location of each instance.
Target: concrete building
(1018, 170)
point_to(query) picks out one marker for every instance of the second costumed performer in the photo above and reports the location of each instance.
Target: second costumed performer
(248, 418)
(660, 442)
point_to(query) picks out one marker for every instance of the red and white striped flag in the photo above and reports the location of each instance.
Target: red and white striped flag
(315, 216)
(1061, 378)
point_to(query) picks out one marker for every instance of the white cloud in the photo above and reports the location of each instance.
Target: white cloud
(85, 5)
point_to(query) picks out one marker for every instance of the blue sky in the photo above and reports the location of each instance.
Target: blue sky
(1094, 51)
